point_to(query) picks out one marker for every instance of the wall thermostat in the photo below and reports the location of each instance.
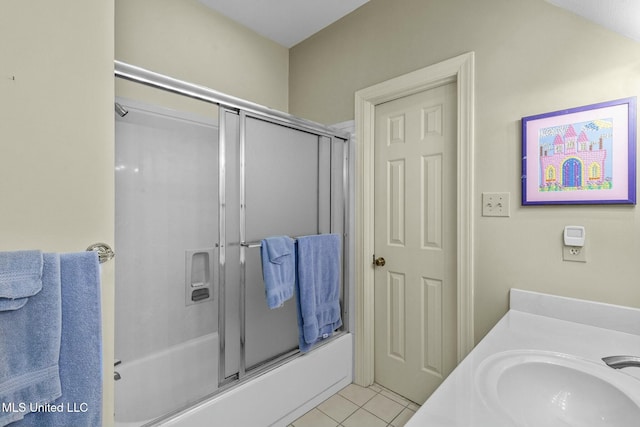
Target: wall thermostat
(574, 235)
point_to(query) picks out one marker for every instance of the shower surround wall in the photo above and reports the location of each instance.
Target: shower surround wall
(194, 197)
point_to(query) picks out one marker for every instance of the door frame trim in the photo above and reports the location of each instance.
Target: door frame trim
(460, 69)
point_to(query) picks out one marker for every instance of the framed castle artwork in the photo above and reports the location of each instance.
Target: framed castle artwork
(584, 155)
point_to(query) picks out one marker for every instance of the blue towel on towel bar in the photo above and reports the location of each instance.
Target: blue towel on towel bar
(30, 342)
(80, 347)
(318, 286)
(20, 278)
(278, 269)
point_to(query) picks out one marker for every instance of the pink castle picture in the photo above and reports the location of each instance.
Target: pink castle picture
(576, 156)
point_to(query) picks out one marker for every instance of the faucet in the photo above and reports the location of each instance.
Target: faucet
(619, 362)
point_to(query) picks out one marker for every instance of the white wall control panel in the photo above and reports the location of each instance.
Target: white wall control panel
(574, 235)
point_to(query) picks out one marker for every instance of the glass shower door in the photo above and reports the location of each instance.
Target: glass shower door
(283, 179)
(281, 198)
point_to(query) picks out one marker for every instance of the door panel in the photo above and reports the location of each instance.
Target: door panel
(288, 188)
(415, 231)
(281, 198)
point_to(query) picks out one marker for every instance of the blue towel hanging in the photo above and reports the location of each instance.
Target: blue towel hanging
(80, 347)
(278, 269)
(30, 335)
(20, 278)
(318, 288)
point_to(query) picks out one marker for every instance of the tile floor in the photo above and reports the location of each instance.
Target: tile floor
(356, 406)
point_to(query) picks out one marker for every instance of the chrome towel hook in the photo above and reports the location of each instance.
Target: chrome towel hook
(105, 253)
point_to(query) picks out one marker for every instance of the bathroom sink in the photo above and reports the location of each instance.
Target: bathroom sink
(531, 388)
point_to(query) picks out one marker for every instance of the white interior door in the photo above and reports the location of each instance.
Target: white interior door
(415, 233)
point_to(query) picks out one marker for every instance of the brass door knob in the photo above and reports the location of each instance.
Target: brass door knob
(379, 262)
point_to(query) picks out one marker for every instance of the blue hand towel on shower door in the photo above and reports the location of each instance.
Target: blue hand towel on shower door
(318, 286)
(278, 269)
(80, 347)
(30, 336)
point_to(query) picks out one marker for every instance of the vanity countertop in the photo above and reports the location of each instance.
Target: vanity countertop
(535, 321)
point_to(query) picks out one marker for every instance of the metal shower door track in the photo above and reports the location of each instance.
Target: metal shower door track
(203, 93)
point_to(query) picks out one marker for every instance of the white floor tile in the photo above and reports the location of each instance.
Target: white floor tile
(413, 406)
(362, 418)
(315, 418)
(403, 418)
(375, 387)
(356, 406)
(338, 407)
(383, 407)
(395, 397)
(357, 394)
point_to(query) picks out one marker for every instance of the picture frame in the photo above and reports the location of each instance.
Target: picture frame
(583, 155)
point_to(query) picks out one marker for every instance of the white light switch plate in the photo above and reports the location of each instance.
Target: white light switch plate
(495, 204)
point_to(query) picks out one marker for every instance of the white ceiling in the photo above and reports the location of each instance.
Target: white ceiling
(288, 22)
(622, 16)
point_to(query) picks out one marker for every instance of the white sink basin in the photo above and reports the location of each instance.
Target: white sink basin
(532, 388)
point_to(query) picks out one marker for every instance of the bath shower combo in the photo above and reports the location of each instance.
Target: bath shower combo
(194, 336)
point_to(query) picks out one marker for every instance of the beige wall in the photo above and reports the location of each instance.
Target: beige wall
(187, 40)
(56, 123)
(56, 133)
(531, 58)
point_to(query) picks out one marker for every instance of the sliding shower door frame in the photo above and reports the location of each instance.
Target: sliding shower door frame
(323, 137)
(229, 104)
(243, 231)
(160, 81)
(222, 244)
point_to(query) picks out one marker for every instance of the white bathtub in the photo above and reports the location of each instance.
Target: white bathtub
(279, 396)
(166, 381)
